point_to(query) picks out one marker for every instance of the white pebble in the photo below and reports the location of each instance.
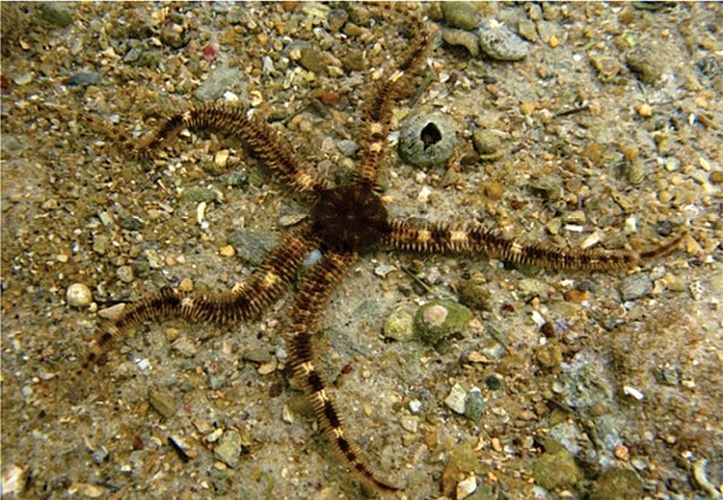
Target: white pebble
(78, 295)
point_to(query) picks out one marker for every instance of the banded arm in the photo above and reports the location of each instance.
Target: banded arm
(410, 235)
(244, 301)
(378, 109)
(261, 138)
(310, 300)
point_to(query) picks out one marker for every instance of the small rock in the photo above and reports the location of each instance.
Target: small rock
(78, 295)
(415, 406)
(198, 195)
(100, 243)
(337, 18)
(222, 80)
(617, 483)
(499, 43)
(466, 487)
(261, 355)
(488, 144)
(383, 269)
(229, 448)
(252, 244)
(227, 251)
(549, 356)
(347, 147)
(83, 79)
(163, 401)
(474, 405)
(125, 274)
(716, 177)
(527, 30)
(234, 179)
(554, 470)
(131, 223)
(86, 490)
(466, 39)
(474, 293)
(410, 423)
(460, 14)
(646, 63)
(635, 286)
(607, 67)
(399, 325)
(312, 60)
(173, 37)
(456, 399)
(154, 260)
(56, 13)
(185, 346)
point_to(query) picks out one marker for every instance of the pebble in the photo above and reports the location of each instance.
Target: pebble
(460, 14)
(488, 144)
(100, 243)
(554, 470)
(84, 79)
(415, 406)
(235, 179)
(647, 64)
(220, 81)
(716, 177)
(173, 37)
(131, 223)
(527, 30)
(198, 195)
(163, 401)
(86, 490)
(635, 286)
(439, 320)
(383, 269)
(549, 356)
(154, 260)
(185, 346)
(474, 293)
(125, 274)
(410, 423)
(261, 355)
(347, 147)
(617, 483)
(399, 325)
(466, 487)
(227, 251)
(336, 19)
(696, 289)
(466, 39)
(78, 295)
(427, 139)
(499, 43)
(311, 60)
(252, 244)
(229, 448)
(56, 13)
(456, 399)
(474, 405)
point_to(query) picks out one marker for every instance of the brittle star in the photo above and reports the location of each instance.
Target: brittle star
(346, 221)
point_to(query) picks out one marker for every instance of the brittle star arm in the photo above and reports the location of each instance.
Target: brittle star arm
(261, 138)
(378, 109)
(411, 235)
(244, 301)
(310, 300)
